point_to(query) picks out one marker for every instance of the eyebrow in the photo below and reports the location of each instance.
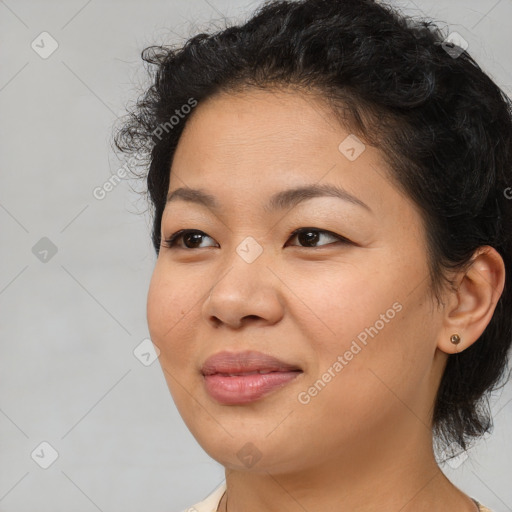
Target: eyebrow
(280, 201)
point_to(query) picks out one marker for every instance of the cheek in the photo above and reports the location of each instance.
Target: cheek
(173, 306)
(362, 388)
(173, 302)
(366, 334)
(355, 304)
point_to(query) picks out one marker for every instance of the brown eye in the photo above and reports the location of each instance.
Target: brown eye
(307, 237)
(311, 236)
(191, 239)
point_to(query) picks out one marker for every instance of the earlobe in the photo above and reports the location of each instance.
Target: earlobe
(472, 304)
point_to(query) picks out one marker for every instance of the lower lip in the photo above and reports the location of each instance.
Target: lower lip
(244, 389)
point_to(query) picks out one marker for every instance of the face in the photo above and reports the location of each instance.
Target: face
(347, 300)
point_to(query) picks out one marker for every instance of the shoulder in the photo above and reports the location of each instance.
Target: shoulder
(481, 507)
(211, 502)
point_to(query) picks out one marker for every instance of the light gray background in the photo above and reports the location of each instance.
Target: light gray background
(69, 325)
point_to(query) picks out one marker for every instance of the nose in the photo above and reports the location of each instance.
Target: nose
(245, 293)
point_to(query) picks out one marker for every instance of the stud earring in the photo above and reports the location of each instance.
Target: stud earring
(455, 339)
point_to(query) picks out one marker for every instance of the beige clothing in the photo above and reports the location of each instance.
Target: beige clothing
(211, 502)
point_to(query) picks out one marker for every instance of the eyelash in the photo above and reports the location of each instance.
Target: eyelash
(170, 243)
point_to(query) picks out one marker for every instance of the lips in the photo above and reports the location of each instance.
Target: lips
(240, 378)
(244, 363)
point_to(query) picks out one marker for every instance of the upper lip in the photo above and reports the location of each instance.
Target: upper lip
(244, 362)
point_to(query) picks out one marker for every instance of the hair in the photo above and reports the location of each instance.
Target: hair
(443, 126)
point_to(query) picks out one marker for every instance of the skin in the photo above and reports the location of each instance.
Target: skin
(364, 442)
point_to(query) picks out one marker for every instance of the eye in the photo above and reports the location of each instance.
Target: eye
(192, 238)
(310, 236)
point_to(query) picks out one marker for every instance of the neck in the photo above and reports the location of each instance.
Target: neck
(381, 478)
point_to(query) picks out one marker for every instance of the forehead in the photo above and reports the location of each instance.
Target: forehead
(261, 142)
(278, 120)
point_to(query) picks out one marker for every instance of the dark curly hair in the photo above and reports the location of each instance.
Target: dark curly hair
(443, 126)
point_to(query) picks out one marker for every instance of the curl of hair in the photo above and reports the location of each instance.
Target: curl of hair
(443, 126)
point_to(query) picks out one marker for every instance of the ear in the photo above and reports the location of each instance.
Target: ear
(470, 306)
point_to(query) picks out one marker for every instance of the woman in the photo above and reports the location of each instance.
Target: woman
(330, 185)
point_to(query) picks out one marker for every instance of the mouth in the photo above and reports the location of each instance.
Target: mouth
(255, 372)
(240, 378)
(243, 363)
(244, 388)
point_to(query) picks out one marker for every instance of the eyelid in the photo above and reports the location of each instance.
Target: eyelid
(169, 242)
(326, 231)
